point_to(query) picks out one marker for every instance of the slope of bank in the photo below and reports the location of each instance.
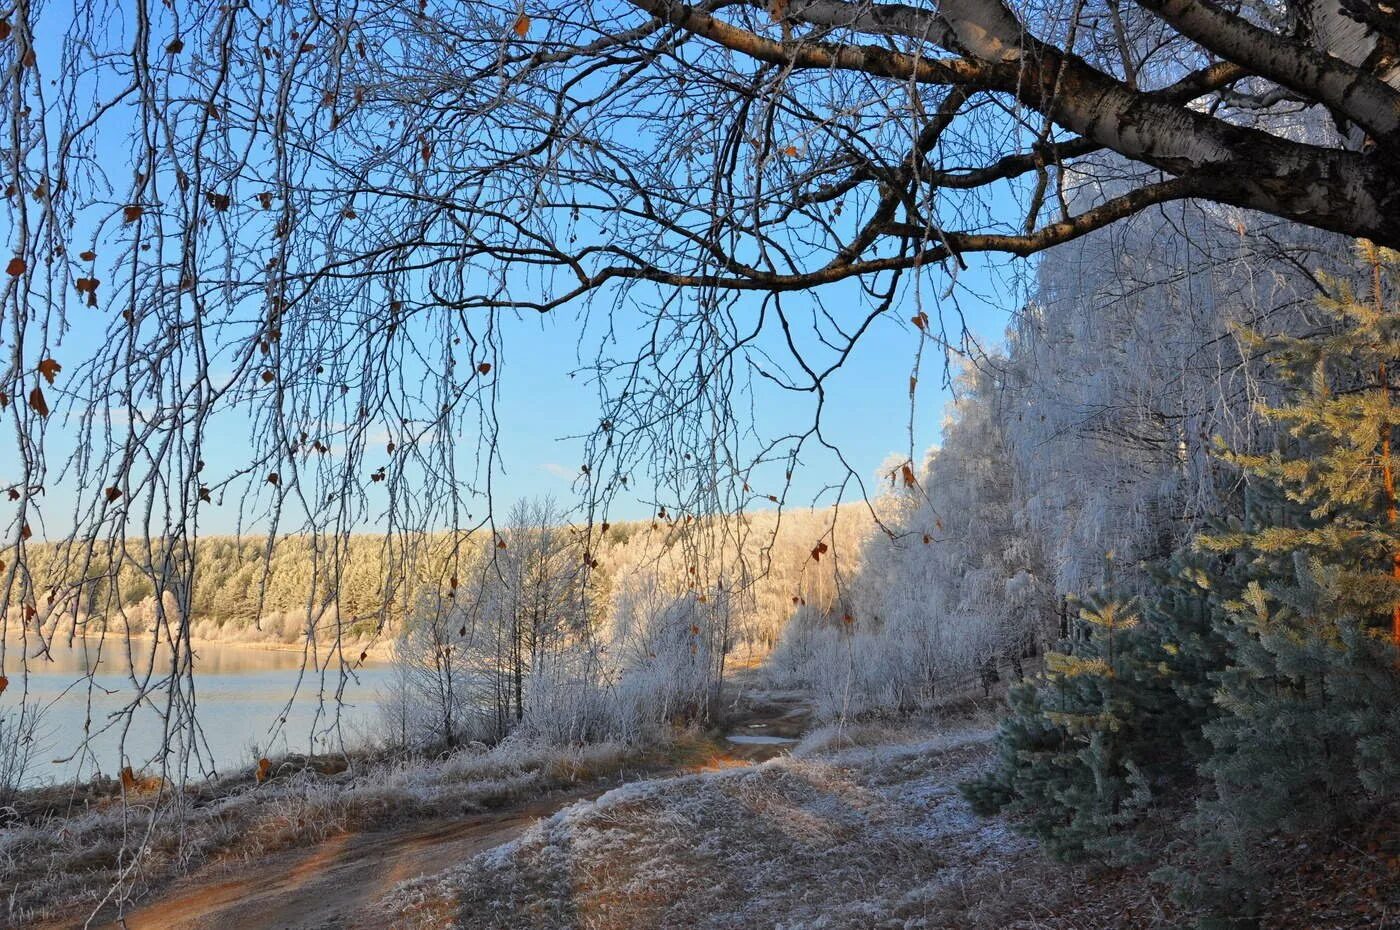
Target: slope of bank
(859, 838)
(869, 838)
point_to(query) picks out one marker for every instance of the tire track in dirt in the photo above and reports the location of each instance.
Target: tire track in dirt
(323, 886)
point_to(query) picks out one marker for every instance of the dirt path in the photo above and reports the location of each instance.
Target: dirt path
(323, 887)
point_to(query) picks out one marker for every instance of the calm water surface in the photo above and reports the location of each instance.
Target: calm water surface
(241, 694)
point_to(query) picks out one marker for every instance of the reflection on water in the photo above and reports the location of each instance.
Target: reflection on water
(241, 694)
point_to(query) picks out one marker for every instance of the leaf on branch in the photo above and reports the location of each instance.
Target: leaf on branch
(37, 402)
(4, 683)
(265, 200)
(88, 256)
(24, 533)
(4, 29)
(112, 494)
(204, 494)
(907, 472)
(274, 479)
(501, 544)
(48, 368)
(16, 267)
(264, 769)
(176, 46)
(790, 151)
(88, 286)
(484, 368)
(522, 25)
(218, 201)
(132, 212)
(920, 320)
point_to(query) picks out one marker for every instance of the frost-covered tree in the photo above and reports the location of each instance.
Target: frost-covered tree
(1124, 367)
(949, 585)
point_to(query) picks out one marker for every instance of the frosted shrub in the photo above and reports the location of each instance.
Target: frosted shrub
(668, 657)
(567, 703)
(19, 736)
(429, 703)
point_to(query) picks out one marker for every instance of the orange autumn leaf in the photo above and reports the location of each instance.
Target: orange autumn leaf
(112, 494)
(48, 368)
(16, 266)
(4, 683)
(264, 769)
(907, 472)
(484, 368)
(132, 212)
(522, 25)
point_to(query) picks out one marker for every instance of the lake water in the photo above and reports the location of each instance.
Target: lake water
(241, 695)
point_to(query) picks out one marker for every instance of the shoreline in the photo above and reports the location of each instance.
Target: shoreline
(377, 653)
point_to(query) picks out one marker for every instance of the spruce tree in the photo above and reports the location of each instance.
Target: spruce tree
(1309, 731)
(1114, 721)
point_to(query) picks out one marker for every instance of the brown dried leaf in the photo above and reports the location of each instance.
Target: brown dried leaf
(37, 402)
(48, 368)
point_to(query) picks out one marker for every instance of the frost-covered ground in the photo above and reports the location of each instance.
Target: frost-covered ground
(857, 838)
